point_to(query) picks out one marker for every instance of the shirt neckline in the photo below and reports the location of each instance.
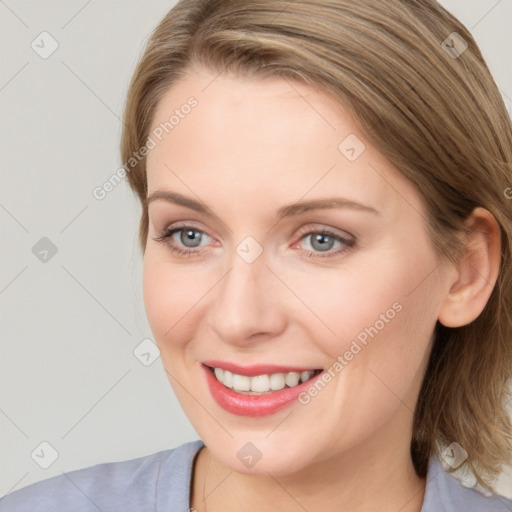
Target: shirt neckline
(437, 481)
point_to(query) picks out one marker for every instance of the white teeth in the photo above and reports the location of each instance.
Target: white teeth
(261, 383)
(304, 376)
(227, 379)
(277, 381)
(292, 379)
(241, 382)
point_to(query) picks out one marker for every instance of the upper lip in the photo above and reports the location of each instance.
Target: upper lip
(256, 369)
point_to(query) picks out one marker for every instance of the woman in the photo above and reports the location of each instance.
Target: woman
(326, 233)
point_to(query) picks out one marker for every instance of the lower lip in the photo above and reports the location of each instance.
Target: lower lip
(254, 405)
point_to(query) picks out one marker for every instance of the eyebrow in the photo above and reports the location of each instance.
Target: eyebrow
(285, 211)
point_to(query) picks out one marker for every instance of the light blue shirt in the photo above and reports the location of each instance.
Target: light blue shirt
(161, 482)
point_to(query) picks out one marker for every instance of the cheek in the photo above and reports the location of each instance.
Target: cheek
(397, 333)
(169, 301)
(383, 327)
(380, 310)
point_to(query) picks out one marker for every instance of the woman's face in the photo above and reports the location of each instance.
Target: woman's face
(359, 301)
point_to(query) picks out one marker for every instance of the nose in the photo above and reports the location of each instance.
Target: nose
(246, 307)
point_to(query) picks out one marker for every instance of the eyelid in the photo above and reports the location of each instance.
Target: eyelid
(316, 227)
(307, 229)
(186, 224)
(162, 211)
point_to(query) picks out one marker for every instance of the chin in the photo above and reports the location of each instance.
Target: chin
(260, 454)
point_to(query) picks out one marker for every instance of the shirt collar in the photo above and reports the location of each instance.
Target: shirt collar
(444, 493)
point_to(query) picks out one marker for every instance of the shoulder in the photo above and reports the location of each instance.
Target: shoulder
(135, 484)
(445, 493)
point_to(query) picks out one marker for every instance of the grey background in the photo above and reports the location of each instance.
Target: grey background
(68, 374)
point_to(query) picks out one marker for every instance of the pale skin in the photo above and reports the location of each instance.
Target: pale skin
(247, 149)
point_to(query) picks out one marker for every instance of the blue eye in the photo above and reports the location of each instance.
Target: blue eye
(189, 234)
(322, 241)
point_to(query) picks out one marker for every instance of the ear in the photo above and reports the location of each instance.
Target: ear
(476, 273)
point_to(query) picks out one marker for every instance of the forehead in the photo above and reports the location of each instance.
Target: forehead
(273, 105)
(254, 135)
(266, 109)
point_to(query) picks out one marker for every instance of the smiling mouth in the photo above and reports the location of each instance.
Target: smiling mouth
(261, 384)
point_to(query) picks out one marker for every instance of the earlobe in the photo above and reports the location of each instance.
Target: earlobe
(476, 273)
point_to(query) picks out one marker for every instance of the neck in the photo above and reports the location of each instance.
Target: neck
(375, 477)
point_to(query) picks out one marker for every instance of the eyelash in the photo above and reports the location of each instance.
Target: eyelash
(349, 243)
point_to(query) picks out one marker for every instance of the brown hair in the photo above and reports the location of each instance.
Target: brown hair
(436, 115)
